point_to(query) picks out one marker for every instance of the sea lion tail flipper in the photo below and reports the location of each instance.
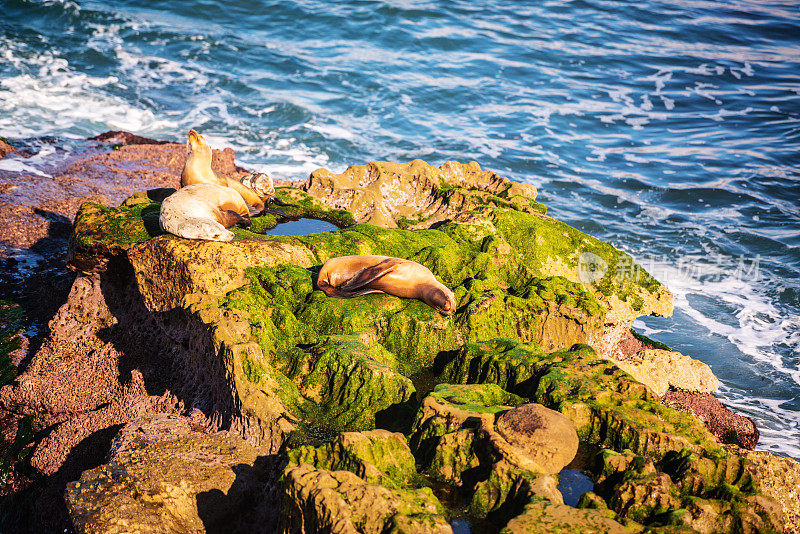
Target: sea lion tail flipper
(368, 275)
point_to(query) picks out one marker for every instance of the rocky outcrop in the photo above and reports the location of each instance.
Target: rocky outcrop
(611, 410)
(5, 148)
(360, 482)
(166, 475)
(458, 441)
(779, 478)
(239, 332)
(379, 192)
(727, 426)
(661, 370)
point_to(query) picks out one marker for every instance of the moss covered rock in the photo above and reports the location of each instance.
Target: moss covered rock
(265, 353)
(671, 464)
(457, 441)
(358, 483)
(543, 516)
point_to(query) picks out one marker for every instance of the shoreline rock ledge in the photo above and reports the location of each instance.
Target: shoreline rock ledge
(293, 411)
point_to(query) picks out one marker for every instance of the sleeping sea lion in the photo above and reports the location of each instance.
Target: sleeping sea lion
(197, 170)
(262, 184)
(203, 211)
(353, 276)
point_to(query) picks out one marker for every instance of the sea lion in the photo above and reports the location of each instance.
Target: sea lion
(353, 276)
(197, 170)
(203, 211)
(262, 184)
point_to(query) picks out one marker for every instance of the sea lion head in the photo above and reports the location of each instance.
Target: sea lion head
(441, 299)
(198, 144)
(261, 183)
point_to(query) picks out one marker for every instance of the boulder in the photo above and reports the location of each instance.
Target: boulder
(661, 370)
(542, 516)
(546, 436)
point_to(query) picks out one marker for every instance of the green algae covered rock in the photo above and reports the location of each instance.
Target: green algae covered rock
(543, 516)
(377, 456)
(360, 482)
(666, 461)
(537, 301)
(456, 441)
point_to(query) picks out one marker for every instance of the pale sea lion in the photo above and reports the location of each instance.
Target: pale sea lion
(203, 211)
(197, 170)
(353, 276)
(262, 184)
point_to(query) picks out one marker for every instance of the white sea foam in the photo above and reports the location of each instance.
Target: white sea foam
(755, 326)
(13, 163)
(49, 96)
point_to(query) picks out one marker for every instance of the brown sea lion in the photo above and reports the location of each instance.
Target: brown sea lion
(353, 276)
(203, 211)
(197, 170)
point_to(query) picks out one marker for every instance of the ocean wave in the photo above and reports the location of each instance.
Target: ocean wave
(49, 96)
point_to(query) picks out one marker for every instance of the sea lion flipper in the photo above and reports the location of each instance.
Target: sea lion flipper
(345, 294)
(280, 202)
(230, 218)
(368, 275)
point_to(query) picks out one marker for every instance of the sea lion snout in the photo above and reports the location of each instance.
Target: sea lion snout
(198, 143)
(443, 300)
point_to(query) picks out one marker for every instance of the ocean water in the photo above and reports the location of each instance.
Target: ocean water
(670, 128)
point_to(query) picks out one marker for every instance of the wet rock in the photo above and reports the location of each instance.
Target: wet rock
(5, 148)
(166, 475)
(545, 435)
(727, 426)
(358, 483)
(125, 138)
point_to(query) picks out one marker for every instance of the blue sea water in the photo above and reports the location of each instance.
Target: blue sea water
(670, 128)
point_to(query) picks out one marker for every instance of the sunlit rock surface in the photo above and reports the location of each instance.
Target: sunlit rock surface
(541, 307)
